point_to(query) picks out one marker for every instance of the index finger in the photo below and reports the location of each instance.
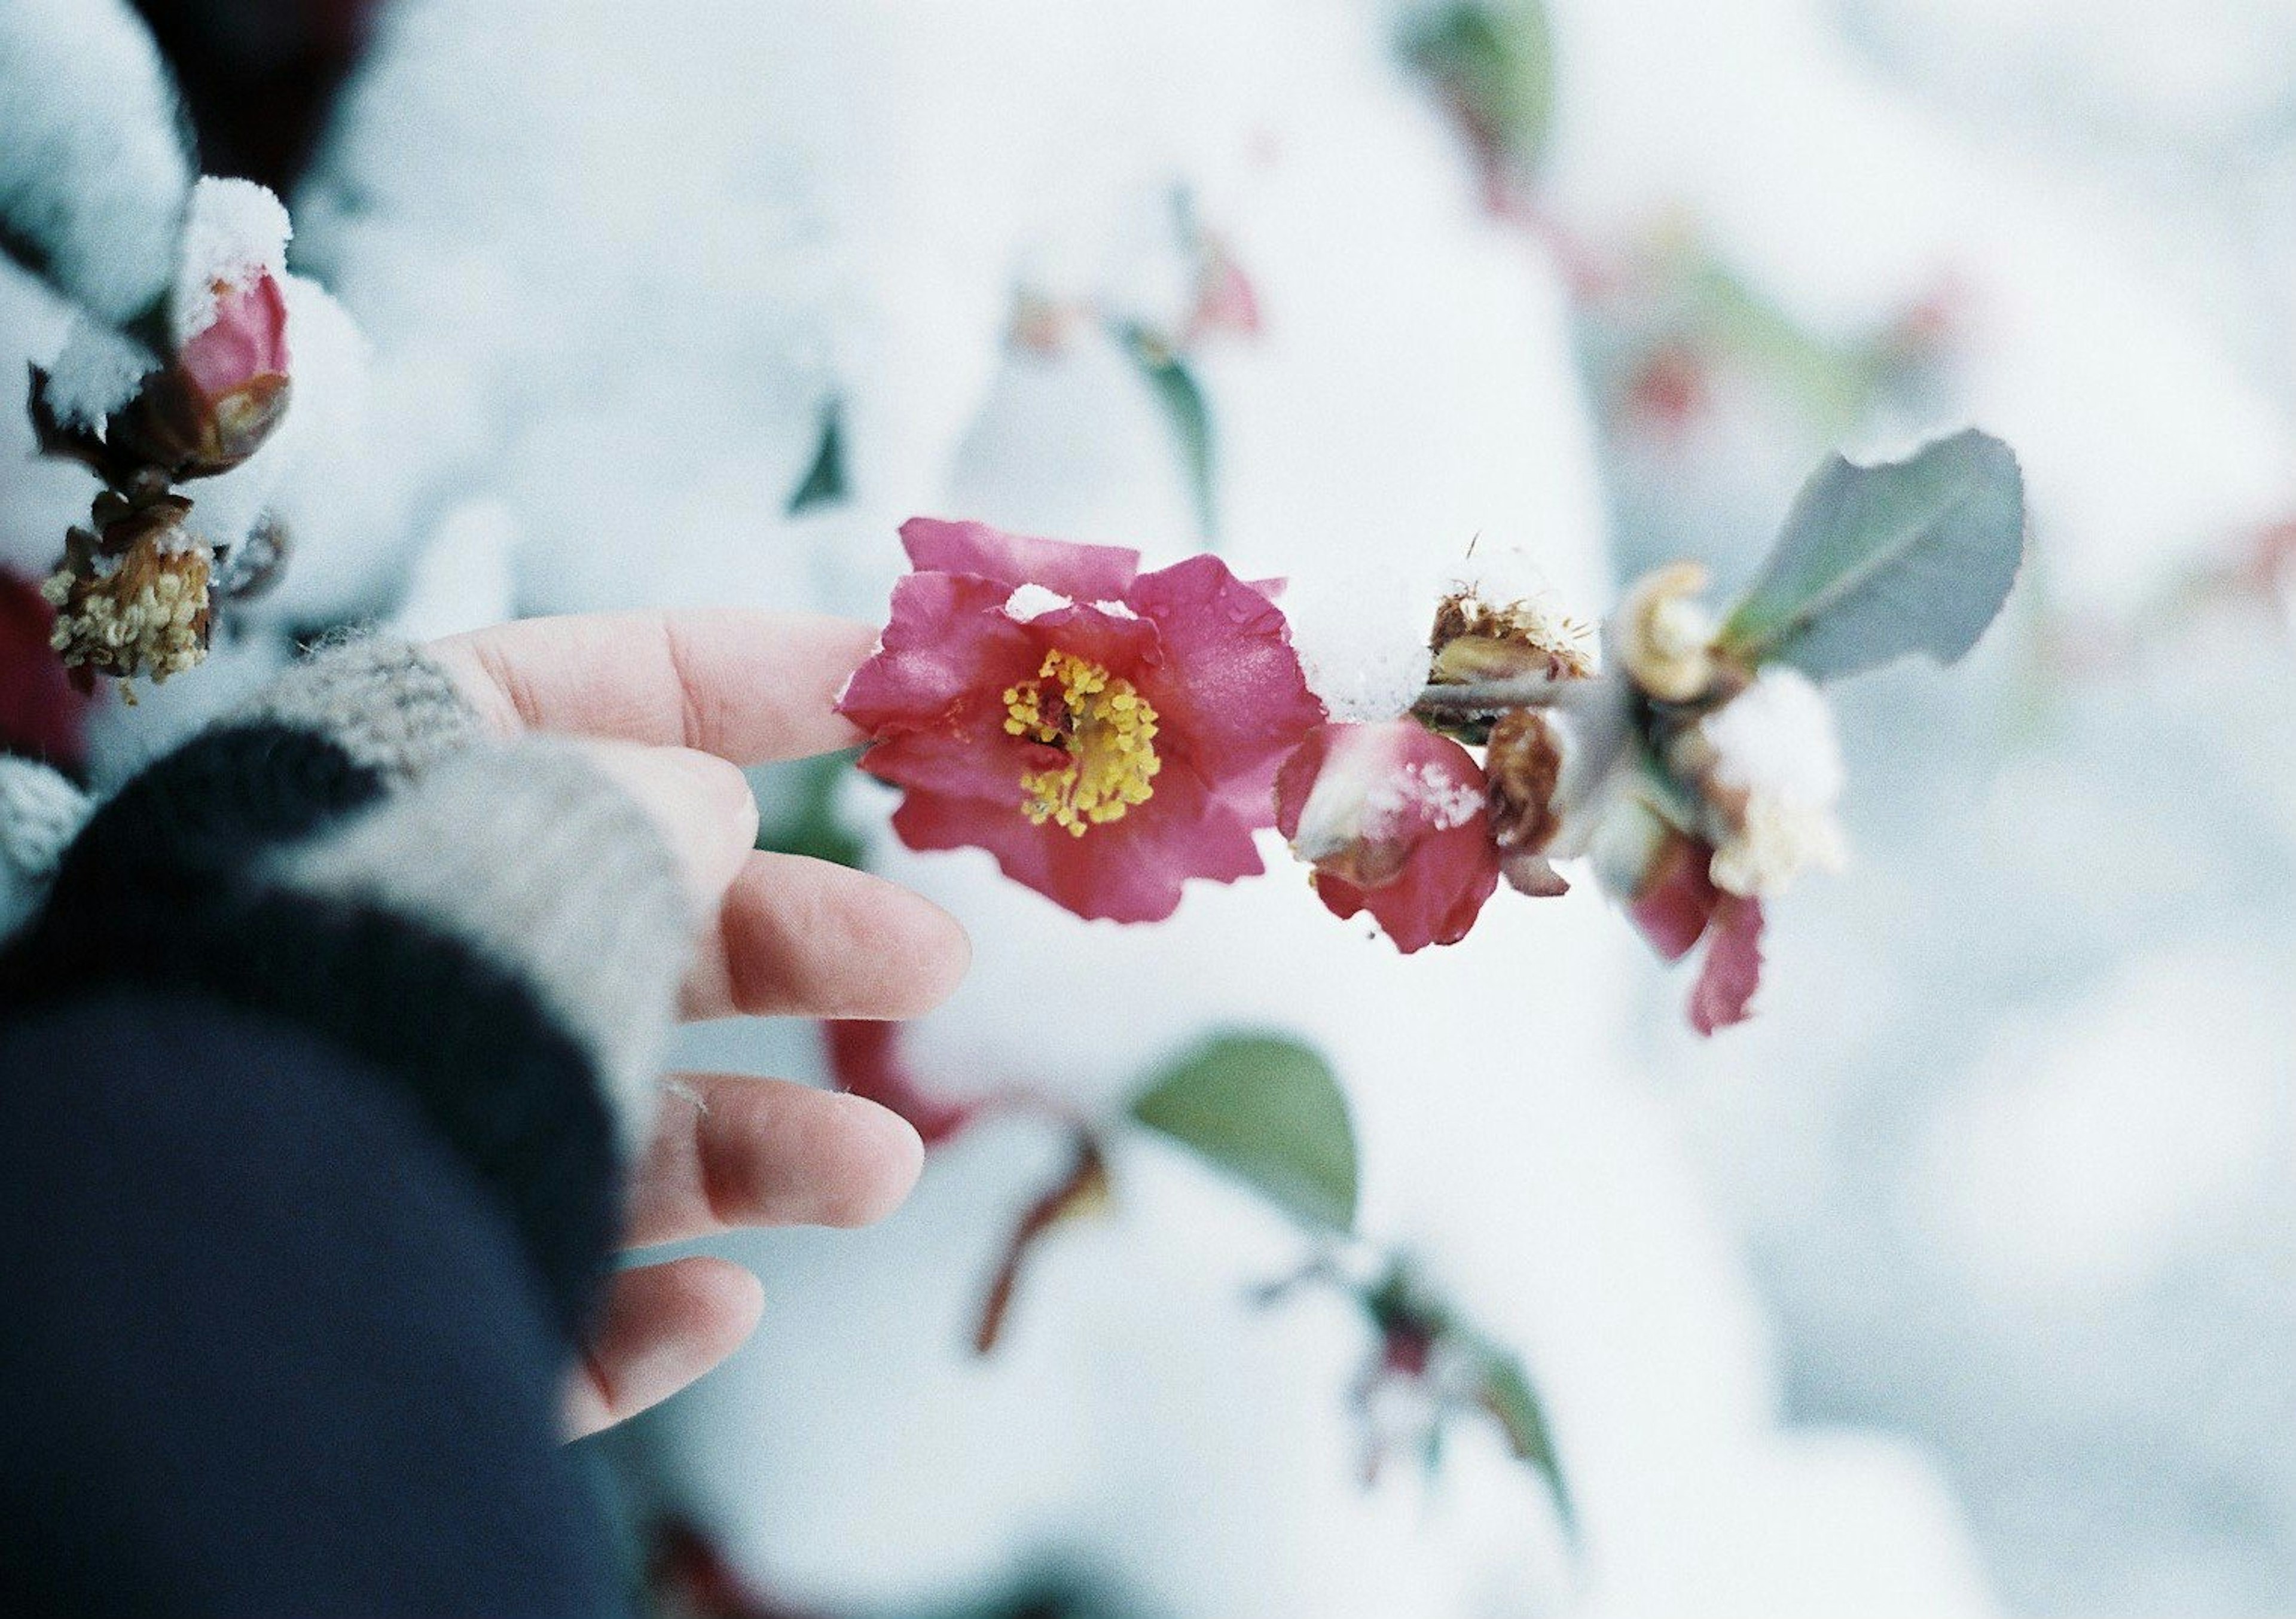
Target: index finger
(748, 686)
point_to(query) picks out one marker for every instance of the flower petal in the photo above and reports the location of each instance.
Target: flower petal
(1434, 901)
(1129, 870)
(1090, 573)
(1230, 691)
(1733, 969)
(949, 646)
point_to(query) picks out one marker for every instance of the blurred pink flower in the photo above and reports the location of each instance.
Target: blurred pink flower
(1395, 821)
(41, 716)
(1677, 904)
(1105, 733)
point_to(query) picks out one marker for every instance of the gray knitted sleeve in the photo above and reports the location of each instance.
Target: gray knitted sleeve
(530, 857)
(382, 701)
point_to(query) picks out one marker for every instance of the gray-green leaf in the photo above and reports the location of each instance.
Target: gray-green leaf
(1268, 1111)
(1495, 59)
(1506, 1393)
(1177, 390)
(1877, 563)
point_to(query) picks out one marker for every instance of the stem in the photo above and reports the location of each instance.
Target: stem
(1522, 692)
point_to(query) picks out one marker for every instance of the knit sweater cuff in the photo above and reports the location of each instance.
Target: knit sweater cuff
(532, 860)
(382, 702)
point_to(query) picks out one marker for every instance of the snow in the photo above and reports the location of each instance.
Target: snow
(1775, 740)
(234, 230)
(96, 176)
(1996, 1180)
(1030, 602)
(96, 372)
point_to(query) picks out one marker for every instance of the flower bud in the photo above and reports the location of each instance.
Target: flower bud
(225, 391)
(1666, 634)
(1524, 761)
(1395, 821)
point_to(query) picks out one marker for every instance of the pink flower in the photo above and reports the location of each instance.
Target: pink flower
(1395, 821)
(41, 717)
(1677, 904)
(1104, 732)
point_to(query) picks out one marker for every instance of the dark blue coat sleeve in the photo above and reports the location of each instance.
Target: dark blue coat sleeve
(267, 1343)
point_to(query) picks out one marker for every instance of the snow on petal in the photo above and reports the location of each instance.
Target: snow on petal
(234, 235)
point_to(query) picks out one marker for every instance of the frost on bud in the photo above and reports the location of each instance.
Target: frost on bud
(131, 599)
(1768, 768)
(1666, 634)
(1395, 821)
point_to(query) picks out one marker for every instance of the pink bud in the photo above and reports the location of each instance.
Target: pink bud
(226, 390)
(1395, 820)
(245, 343)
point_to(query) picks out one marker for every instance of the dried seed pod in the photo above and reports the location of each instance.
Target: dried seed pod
(1474, 641)
(133, 600)
(1524, 763)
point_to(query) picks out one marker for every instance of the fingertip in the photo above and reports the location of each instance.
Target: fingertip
(735, 1299)
(942, 954)
(885, 1157)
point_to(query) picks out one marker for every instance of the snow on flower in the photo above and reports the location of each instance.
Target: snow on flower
(1770, 769)
(1395, 820)
(226, 388)
(1106, 735)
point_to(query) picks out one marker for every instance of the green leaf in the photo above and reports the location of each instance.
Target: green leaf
(1880, 562)
(1187, 410)
(1268, 1111)
(1495, 60)
(811, 825)
(1507, 1395)
(824, 480)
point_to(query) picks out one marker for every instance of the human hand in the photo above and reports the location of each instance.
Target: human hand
(674, 703)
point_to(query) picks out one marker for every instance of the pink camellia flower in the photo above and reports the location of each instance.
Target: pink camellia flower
(1395, 821)
(1104, 732)
(1675, 903)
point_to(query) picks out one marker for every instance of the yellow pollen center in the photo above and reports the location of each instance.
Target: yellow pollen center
(1108, 730)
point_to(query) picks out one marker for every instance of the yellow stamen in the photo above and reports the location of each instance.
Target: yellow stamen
(1109, 730)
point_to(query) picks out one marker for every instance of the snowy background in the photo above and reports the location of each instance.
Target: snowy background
(1958, 1283)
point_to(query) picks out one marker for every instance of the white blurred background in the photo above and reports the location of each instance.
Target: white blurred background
(1962, 1282)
